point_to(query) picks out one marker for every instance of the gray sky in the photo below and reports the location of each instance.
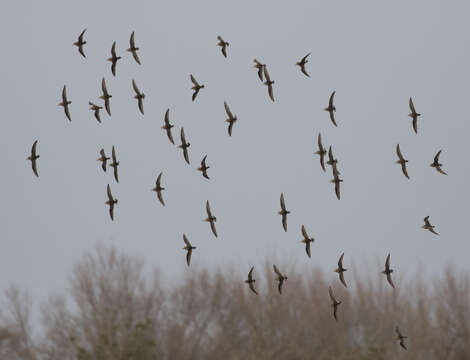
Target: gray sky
(374, 54)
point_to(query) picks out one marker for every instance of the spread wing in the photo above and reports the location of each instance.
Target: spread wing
(397, 330)
(113, 155)
(194, 80)
(115, 168)
(224, 50)
(113, 68)
(276, 270)
(108, 191)
(341, 278)
(160, 197)
(387, 263)
(332, 96)
(113, 50)
(415, 124)
(103, 87)
(412, 106)
(227, 110)
(131, 40)
(337, 189)
(80, 37)
(320, 145)
(270, 92)
(64, 94)
(111, 210)
(283, 204)
(332, 117)
(208, 209)
(330, 156)
(266, 74)
(284, 222)
(186, 155)
(34, 166)
(403, 169)
(252, 288)
(136, 89)
(304, 233)
(214, 231)
(438, 168)
(188, 256)
(340, 261)
(389, 279)
(302, 68)
(195, 94)
(436, 158)
(186, 241)
(250, 274)
(307, 248)
(332, 297)
(136, 57)
(141, 105)
(400, 156)
(279, 287)
(183, 138)
(33, 149)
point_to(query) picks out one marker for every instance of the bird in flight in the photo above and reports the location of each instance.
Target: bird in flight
(435, 164)
(302, 63)
(401, 338)
(111, 202)
(103, 158)
(204, 168)
(189, 249)
(96, 110)
(336, 180)
(306, 240)
(113, 59)
(250, 281)
(414, 115)
(260, 68)
(211, 218)
(340, 270)
(268, 82)
(167, 126)
(139, 96)
(280, 277)
(65, 103)
(223, 44)
(231, 118)
(80, 42)
(196, 87)
(132, 49)
(106, 96)
(158, 189)
(335, 303)
(402, 161)
(388, 272)
(331, 108)
(322, 152)
(427, 226)
(283, 212)
(184, 145)
(33, 157)
(114, 164)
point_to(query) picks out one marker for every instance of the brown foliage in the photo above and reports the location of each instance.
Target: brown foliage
(114, 311)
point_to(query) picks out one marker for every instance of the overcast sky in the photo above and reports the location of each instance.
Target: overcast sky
(374, 54)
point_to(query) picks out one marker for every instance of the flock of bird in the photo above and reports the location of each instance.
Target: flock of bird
(264, 76)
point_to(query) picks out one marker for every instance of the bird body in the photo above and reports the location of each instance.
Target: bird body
(133, 49)
(331, 108)
(302, 63)
(427, 226)
(435, 164)
(223, 44)
(103, 158)
(158, 189)
(306, 240)
(284, 212)
(96, 109)
(250, 281)
(80, 42)
(167, 126)
(401, 338)
(113, 59)
(388, 271)
(65, 103)
(111, 202)
(196, 86)
(211, 219)
(340, 270)
(280, 278)
(189, 249)
(203, 168)
(184, 146)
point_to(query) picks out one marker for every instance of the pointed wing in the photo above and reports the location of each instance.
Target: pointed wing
(302, 68)
(108, 191)
(136, 57)
(131, 40)
(436, 158)
(80, 37)
(320, 145)
(141, 105)
(332, 297)
(227, 110)
(340, 261)
(113, 68)
(307, 248)
(64, 95)
(136, 89)
(186, 155)
(341, 278)
(397, 330)
(214, 231)
(404, 170)
(33, 149)
(332, 96)
(34, 166)
(331, 159)
(195, 94)
(260, 73)
(186, 241)
(279, 287)
(433, 231)
(252, 288)
(412, 106)
(113, 50)
(103, 87)
(183, 138)
(276, 270)
(389, 279)
(438, 168)
(266, 74)
(304, 233)
(270, 92)
(188, 256)
(283, 204)
(159, 179)
(208, 209)
(250, 274)
(111, 210)
(400, 156)
(402, 344)
(332, 117)
(194, 80)
(337, 189)
(224, 50)
(107, 106)
(113, 155)
(80, 50)
(387, 263)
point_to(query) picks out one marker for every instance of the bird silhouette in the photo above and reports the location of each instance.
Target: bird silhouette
(250, 281)
(427, 226)
(184, 145)
(435, 164)
(302, 63)
(196, 87)
(211, 219)
(103, 158)
(133, 49)
(414, 115)
(139, 96)
(203, 168)
(80, 42)
(231, 118)
(402, 161)
(114, 164)
(158, 188)
(331, 108)
(106, 96)
(65, 103)
(340, 270)
(388, 272)
(113, 59)
(283, 212)
(223, 45)
(335, 303)
(280, 277)
(111, 202)
(306, 240)
(189, 249)
(33, 157)
(167, 126)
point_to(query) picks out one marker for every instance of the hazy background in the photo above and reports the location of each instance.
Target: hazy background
(374, 54)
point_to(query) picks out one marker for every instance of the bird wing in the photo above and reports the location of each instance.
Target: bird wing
(332, 117)
(307, 248)
(224, 50)
(279, 287)
(341, 278)
(302, 68)
(337, 190)
(433, 231)
(116, 173)
(387, 263)
(113, 154)
(188, 256)
(415, 124)
(102, 153)
(141, 105)
(107, 106)
(103, 87)
(208, 209)
(108, 191)
(412, 106)
(34, 167)
(332, 297)
(400, 156)
(111, 210)
(80, 50)
(80, 37)
(284, 222)
(194, 80)
(276, 270)
(195, 94)
(389, 279)
(186, 241)
(186, 155)
(230, 126)
(270, 92)
(330, 156)
(438, 168)
(113, 68)
(250, 273)
(397, 330)
(136, 89)
(436, 158)
(402, 344)
(64, 95)
(183, 138)
(160, 197)
(97, 115)
(340, 261)
(330, 103)
(170, 135)
(304, 233)
(203, 161)
(266, 74)
(403, 169)
(320, 145)
(67, 111)
(113, 50)
(33, 149)
(159, 179)
(252, 288)
(131, 40)
(136, 57)
(214, 231)
(227, 110)
(283, 204)
(260, 73)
